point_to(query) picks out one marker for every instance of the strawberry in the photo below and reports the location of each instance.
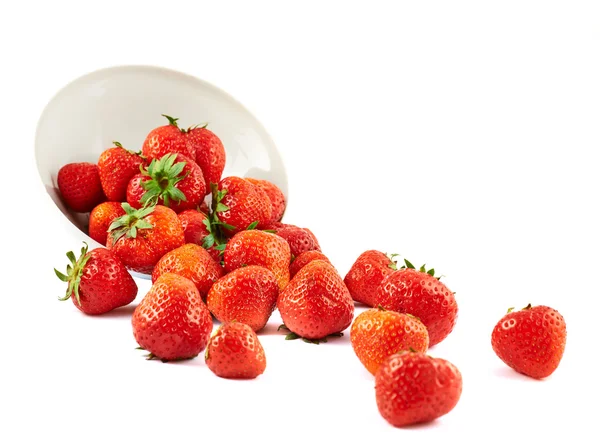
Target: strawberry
(117, 166)
(80, 187)
(195, 229)
(299, 239)
(210, 153)
(141, 237)
(239, 203)
(193, 262)
(367, 273)
(376, 334)
(419, 293)
(304, 258)
(316, 303)
(275, 196)
(174, 180)
(255, 247)
(415, 388)
(97, 281)
(172, 322)
(234, 351)
(531, 341)
(246, 295)
(167, 139)
(101, 218)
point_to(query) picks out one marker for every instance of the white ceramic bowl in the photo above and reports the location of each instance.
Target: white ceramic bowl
(124, 104)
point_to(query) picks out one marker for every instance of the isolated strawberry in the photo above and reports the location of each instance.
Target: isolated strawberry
(174, 180)
(239, 203)
(419, 293)
(304, 258)
(210, 153)
(234, 351)
(79, 186)
(376, 334)
(167, 139)
(193, 262)
(97, 281)
(316, 303)
(414, 388)
(531, 341)
(141, 237)
(255, 247)
(101, 217)
(172, 322)
(195, 229)
(275, 195)
(117, 166)
(246, 295)
(300, 239)
(367, 273)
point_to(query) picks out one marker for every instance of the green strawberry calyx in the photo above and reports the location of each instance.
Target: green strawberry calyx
(119, 145)
(512, 308)
(393, 264)
(164, 176)
(409, 265)
(74, 273)
(173, 122)
(128, 225)
(213, 224)
(290, 336)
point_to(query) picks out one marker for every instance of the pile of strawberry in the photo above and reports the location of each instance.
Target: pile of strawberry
(231, 258)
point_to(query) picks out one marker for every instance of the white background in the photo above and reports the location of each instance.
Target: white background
(460, 134)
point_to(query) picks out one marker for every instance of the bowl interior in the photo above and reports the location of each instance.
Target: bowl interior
(124, 104)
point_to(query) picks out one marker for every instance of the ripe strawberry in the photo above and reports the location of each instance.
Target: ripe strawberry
(275, 196)
(117, 166)
(413, 388)
(367, 273)
(239, 204)
(97, 281)
(255, 247)
(193, 262)
(246, 295)
(210, 154)
(531, 341)
(141, 237)
(195, 230)
(316, 303)
(304, 258)
(419, 293)
(299, 239)
(172, 322)
(80, 187)
(376, 334)
(234, 351)
(174, 180)
(101, 218)
(168, 139)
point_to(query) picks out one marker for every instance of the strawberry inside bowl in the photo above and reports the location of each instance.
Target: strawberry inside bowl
(124, 104)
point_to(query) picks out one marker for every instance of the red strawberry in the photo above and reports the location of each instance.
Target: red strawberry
(414, 388)
(239, 203)
(141, 237)
(101, 218)
(299, 239)
(172, 322)
(275, 196)
(117, 166)
(175, 181)
(194, 225)
(193, 262)
(97, 281)
(255, 247)
(234, 351)
(316, 303)
(168, 139)
(246, 295)
(419, 293)
(531, 341)
(210, 154)
(367, 273)
(80, 187)
(376, 334)
(304, 258)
